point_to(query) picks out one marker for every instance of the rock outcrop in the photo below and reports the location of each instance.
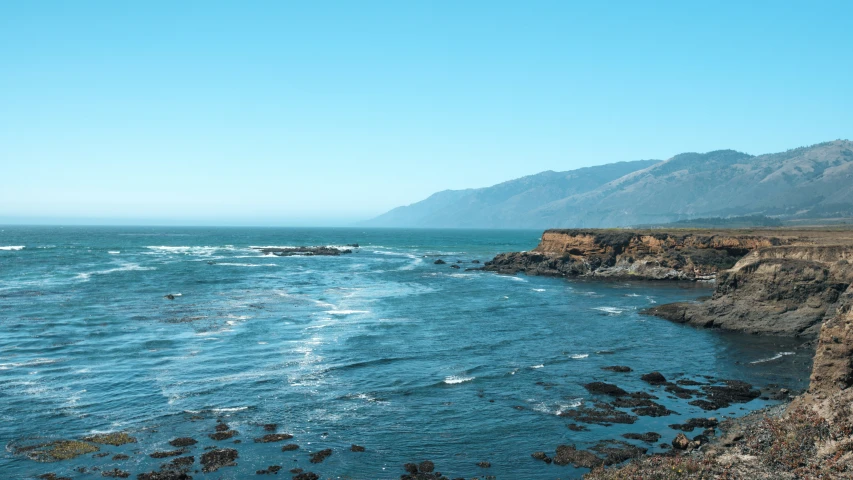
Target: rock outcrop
(773, 282)
(649, 254)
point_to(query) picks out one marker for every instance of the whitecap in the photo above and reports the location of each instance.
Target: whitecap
(578, 356)
(453, 379)
(114, 252)
(29, 363)
(217, 410)
(130, 267)
(538, 366)
(538, 289)
(774, 357)
(610, 310)
(574, 404)
(345, 312)
(10, 248)
(230, 264)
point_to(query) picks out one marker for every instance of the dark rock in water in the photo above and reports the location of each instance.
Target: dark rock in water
(411, 468)
(356, 448)
(169, 297)
(439, 262)
(576, 428)
(271, 470)
(168, 453)
(616, 451)
(306, 476)
(722, 396)
(701, 439)
(568, 454)
(318, 457)
(627, 402)
(601, 414)
(52, 476)
(115, 473)
(655, 410)
(648, 437)
(115, 439)
(426, 466)
(290, 447)
(484, 464)
(221, 427)
(273, 437)
(475, 261)
(541, 456)
(175, 470)
(695, 423)
(602, 388)
(644, 395)
(223, 435)
(473, 269)
(183, 442)
(304, 251)
(617, 368)
(455, 266)
(216, 459)
(654, 378)
(353, 245)
(681, 442)
(101, 455)
(689, 383)
(120, 456)
(680, 392)
(270, 427)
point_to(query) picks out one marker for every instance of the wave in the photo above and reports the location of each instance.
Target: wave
(453, 379)
(577, 402)
(229, 264)
(538, 289)
(610, 310)
(579, 356)
(10, 248)
(202, 251)
(114, 252)
(29, 363)
(217, 410)
(774, 357)
(345, 312)
(537, 366)
(130, 267)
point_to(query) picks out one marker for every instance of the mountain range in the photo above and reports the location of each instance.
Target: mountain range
(813, 182)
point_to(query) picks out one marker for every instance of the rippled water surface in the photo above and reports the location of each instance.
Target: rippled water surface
(380, 348)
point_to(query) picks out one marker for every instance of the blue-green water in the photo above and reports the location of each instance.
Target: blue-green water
(380, 348)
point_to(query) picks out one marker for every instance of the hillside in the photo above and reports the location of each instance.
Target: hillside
(505, 205)
(813, 182)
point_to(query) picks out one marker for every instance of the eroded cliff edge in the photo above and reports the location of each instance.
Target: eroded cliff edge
(773, 282)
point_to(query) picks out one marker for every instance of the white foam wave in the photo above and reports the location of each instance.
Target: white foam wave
(538, 366)
(10, 248)
(578, 356)
(453, 379)
(573, 404)
(774, 357)
(203, 251)
(114, 252)
(130, 267)
(610, 310)
(29, 363)
(218, 410)
(345, 312)
(231, 264)
(538, 289)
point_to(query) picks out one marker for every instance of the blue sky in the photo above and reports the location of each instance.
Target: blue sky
(324, 113)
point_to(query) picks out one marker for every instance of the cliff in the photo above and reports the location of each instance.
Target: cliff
(773, 282)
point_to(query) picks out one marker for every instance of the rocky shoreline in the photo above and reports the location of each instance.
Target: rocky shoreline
(778, 282)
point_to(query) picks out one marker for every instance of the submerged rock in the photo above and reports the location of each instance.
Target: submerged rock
(654, 378)
(216, 459)
(318, 457)
(617, 368)
(603, 388)
(54, 450)
(617, 451)
(356, 448)
(439, 262)
(648, 437)
(290, 447)
(601, 413)
(569, 454)
(116, 439)
(306, 476)
(541, 456)
(181, 442)
(273, 437)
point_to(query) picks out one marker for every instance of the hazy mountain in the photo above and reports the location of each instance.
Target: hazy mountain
(505, 205)
(808, 182)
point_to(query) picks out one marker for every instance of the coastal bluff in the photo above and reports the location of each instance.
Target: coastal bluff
(768, 281)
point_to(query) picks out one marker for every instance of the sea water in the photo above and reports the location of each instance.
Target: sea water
(381, 348)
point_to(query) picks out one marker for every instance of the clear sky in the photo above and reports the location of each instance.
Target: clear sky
(324, 113)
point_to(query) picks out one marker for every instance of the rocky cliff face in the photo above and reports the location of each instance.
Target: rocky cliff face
(786, 282)
(650, 255)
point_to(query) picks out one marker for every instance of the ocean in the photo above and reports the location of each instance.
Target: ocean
(381, 348)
